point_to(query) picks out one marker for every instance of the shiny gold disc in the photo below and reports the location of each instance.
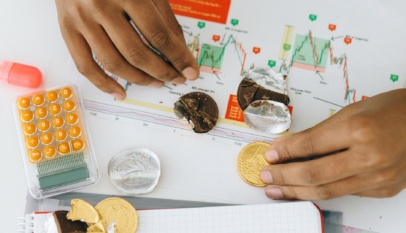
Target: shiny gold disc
(121, 212)
(83, 211)
(250, 162)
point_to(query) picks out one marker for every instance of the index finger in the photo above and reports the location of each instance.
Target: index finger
(321, 141)
(169, 18)
(314, 172)
(82, 57)
(339, 116)
(157, 33)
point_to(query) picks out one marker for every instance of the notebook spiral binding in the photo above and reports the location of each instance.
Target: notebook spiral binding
(33, 223)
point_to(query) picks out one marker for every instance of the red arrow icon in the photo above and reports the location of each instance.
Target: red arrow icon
(332, 27)
(256, 50)
(216, 38)
(347, 40)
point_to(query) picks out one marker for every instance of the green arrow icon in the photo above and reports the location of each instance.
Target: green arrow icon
(234, 22)
(394, 77)
(201, 24)
(286, 47)
(271, 63)
(312, 17)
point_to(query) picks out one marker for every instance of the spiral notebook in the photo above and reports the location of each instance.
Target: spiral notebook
(303, 217)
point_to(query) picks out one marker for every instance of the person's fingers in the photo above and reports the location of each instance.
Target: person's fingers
(130, 45)
(354, 184)
(337, 117)
(82, 56)
(318, 171)
(157, 33)
(169, 17)
(167, 14)
(310, 143)
(110, 58)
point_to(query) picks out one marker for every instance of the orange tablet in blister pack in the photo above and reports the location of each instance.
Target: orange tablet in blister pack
(46, 118)
(55, 143)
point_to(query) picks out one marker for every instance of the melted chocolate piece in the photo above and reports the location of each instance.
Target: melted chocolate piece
(256, 104)
(67, 226)
(249, 91)
(199, 109)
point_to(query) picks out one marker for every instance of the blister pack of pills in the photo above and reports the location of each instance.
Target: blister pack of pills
(55, 143)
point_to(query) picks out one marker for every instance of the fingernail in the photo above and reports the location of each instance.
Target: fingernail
(179, 80)
(118, 96)
(274, 193)
(190, 73)
(271, 155)
(266, 176)
(156, 84)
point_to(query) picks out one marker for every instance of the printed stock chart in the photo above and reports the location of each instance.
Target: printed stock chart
(329, 61)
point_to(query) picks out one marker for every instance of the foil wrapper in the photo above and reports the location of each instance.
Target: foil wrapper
(110, 228)
(267, 116)
(263, 97)
(269, 79)
(135, 170)
(50, 225)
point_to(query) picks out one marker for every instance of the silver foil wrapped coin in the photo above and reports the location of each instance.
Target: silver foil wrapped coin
(135, 170)
(262, 95)
(267, 116)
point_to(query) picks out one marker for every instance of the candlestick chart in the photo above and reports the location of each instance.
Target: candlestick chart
(211, 56)
(311, 53)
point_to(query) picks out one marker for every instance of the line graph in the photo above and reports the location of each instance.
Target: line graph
(342, 61)
(208, 57)
(305, 54)
(171, 122)
(311, 53)
(211, 56)
(348, 229)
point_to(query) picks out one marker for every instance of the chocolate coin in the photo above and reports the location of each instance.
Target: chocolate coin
(199, 109)
(135, 170)
(250, 162)
(262, 84)
(83, 211)
(262, 95)
(119, 211)
(267, 116)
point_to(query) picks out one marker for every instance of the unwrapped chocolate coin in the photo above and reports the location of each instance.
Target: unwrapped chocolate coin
(58, 223)
(262, 95)
(199, 109)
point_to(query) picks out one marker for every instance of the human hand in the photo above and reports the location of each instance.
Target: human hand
(102, 26)
(362, 149)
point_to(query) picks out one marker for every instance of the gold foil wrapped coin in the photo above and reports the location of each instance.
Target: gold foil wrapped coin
(83, 211)
(250, 162)
(96, 227)
(121, 212)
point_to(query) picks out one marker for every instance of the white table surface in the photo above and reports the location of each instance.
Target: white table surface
(29, 34)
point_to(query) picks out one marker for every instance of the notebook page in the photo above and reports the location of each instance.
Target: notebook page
(301, 217)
